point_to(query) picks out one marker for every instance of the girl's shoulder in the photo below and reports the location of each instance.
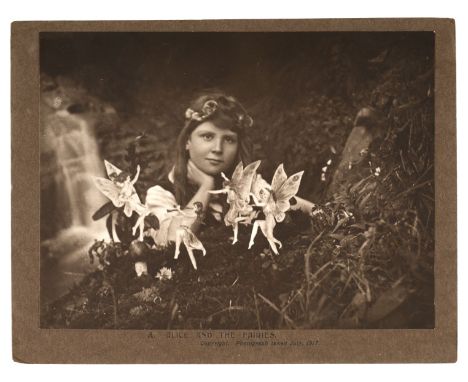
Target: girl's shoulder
(167, 185)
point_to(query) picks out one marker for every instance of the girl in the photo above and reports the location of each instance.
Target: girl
(213, 140)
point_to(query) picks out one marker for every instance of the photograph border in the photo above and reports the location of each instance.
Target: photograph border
(34, 345)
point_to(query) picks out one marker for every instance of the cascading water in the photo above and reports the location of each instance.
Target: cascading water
(69, 160)
(78, 160)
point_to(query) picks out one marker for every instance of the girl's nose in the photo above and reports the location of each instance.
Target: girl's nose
(217, 146)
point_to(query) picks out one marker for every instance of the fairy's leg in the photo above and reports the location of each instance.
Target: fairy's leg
(267, 229)
(235, 226)
(142, 229)
(177, 245)
(134, 228)
(237, 220)
(254, 232)
(190, 253)
(278, 242)
(200, 247)
(271, 240)
(271, 223)
(113, 230)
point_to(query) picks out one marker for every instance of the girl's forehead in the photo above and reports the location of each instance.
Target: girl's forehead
(210, 127)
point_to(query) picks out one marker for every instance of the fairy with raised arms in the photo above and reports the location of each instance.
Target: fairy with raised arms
(274, 200)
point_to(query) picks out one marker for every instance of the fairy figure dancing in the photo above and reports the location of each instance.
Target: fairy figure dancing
(185, 235)
(238, 196)
(121, 191)
(274, 201)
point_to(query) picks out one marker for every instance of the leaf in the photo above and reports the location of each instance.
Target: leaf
(104, 210)
(358, 225)
(339, 224)
(109, 226)
(356, 186)
(347, 240)
(387, 303)
(337, 236)
(364, 200)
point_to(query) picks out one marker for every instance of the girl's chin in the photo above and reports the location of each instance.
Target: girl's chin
(214, 170)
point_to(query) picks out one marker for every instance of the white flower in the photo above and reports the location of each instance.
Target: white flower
(164, 274)
(316, 212)
(141, 268)
(324, 169)
(329, 162)
(323, 177)
(363, 152)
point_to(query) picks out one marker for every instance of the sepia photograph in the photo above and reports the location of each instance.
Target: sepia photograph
(237, 180)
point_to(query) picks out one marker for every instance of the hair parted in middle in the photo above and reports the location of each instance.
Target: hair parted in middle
(225, 112)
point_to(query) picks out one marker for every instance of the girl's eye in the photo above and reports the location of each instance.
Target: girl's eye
(207, 137)
(230, 140)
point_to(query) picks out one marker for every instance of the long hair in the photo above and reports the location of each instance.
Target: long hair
(227, 115)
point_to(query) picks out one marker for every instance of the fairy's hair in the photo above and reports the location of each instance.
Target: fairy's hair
(122, 177)
(225, 112)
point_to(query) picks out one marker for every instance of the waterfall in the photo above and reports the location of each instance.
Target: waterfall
(77, 161)
(69, 160)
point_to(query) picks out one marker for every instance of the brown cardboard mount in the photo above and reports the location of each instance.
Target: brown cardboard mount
(34, 345)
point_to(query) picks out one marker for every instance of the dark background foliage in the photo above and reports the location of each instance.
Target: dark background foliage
(302, 89)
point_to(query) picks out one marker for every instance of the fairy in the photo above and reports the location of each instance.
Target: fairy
(120, 189)
(274, 200)
(185, 235)
(238, 196)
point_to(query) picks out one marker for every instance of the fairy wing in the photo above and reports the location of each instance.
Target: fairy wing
(237, 174)
(245, 183)
(286, 191)
(135, 199)
(191, 240)
(109, 189)
(259, 184)
(111, 169)
(278, 178)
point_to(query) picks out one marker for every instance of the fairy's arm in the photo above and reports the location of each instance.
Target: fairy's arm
(256, 201)
(222, 191)
(136, 175)
(302, 205)
(202, 196)
(205, 184)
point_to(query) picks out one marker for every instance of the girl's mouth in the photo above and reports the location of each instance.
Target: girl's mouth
(214, 161)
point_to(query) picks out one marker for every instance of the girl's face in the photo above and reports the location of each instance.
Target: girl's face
(212, 149)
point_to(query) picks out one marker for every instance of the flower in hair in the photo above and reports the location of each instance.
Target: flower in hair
(192, 115)
(208, 108)
(245, 120)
